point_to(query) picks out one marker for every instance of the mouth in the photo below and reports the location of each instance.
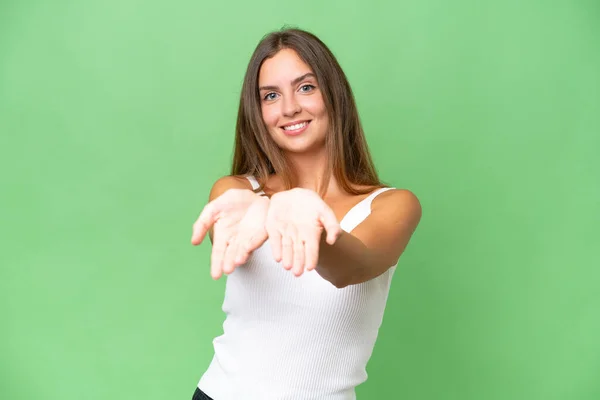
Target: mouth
(295, 128)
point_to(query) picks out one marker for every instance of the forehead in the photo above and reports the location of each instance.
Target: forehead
(283, 67)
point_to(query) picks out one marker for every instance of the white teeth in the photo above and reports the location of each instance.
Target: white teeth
(295, 127)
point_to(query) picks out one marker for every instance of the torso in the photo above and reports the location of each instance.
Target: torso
(296, 337)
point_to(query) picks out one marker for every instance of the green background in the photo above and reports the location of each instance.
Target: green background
(117, 116)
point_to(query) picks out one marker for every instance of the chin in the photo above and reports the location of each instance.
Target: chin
(305, 147)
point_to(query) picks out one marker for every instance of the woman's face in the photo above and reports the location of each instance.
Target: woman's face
(292, 104)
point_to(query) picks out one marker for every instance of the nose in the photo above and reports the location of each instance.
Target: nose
(290, 106)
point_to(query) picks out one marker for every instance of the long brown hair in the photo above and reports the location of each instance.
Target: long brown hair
(255, 151)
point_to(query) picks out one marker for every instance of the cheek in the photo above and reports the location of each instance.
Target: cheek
(321, 112)
(315, 106)
(269, 117)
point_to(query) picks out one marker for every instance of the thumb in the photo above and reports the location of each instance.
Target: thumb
(205, 221)
(331, 225)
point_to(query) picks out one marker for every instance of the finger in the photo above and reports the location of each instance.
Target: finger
(331, 225)
(205, 221)
(229, 258)
(241, 256)
(217, 255)
(247, 246)
(257, 240)
(274, 235)
(286, 252)
(311, 238)
(240, 251)
(287, 246)
(298, 267)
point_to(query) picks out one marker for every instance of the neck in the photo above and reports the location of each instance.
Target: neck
(310, 170)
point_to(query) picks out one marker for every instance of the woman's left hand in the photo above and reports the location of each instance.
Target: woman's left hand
(295, 223)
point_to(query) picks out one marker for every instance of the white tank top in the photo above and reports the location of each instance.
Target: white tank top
(295, 338)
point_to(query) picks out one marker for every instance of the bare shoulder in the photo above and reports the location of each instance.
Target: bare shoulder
(396, 197)
(398, 203)
(395, 215)
(225, 183)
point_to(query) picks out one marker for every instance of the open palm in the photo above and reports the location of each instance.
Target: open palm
(295, 223)
(238, 220)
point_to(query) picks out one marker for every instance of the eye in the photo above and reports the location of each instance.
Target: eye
(306, 88)
(270, 96)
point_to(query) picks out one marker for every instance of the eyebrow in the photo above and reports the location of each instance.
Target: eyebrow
(294, 82)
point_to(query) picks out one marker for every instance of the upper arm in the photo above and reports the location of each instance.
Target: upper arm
(394, 217)
(228, 182)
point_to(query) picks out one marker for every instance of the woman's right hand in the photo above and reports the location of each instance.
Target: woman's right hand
(237, 218)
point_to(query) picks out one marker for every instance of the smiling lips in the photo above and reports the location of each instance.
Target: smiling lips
(295, 128)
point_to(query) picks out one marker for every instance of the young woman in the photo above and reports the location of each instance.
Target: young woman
(307, 234)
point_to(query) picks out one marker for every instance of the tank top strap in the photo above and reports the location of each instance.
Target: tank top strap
(254, 183)
(360, 211)
(377, 192)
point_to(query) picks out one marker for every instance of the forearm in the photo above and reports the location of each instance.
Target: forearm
(348, 261)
